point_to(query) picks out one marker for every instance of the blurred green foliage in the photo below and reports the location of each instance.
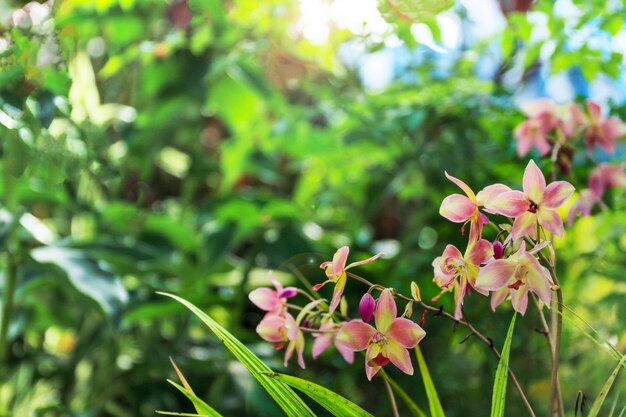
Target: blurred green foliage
(189, 147)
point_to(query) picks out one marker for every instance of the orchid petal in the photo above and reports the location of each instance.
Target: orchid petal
(508, 203)
(337, 292)
(345, 351)
(537, 106)
(355, 334)
(550, 221)
(459, 295)
(366, 261)
(457, 208)
(321, 343)
(497, 297)
(538, 280)
(519, 299)
(479, 252)
(524, 225)
(557, 193)
(406, 332)
(495, 275)
(534, 183)
(265, 298)
(339, 260)
(399, 356)
(468, 191)
(386, 311)
(489, 192)
(595, 111)
(371, 371)
(271, 328)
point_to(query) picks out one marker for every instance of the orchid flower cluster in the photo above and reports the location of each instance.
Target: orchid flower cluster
(507, 268)
(554, 131)
(387, 341)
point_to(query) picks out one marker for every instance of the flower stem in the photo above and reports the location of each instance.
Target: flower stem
(392, 398)
(487, 341)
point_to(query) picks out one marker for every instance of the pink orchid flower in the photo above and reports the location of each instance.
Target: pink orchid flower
(463, 208)
(601, 131)
(272, 301)
(583, 206)
(280, 330)
(534, 132)
(536, 205)
(328, 337)
(604, 176)
(515, 276)
(457, 272)
(336, 273)
(388, 341)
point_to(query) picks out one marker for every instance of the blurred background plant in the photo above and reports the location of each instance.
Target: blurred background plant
(191, 146)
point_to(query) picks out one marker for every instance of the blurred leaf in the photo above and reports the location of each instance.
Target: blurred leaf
(200, 406)
(333, 402)
(283, 395)
(502, 375)
(87, 276)
(597, 404)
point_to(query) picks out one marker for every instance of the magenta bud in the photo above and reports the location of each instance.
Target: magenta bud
(288, 292)
(498, 250)
(366, 307)
(484, 219)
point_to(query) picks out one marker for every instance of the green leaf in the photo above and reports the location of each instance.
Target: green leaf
(597, 404)
(282, 394)
(333, 402)
(87, 276)
(200, 406)
(172, 413)
(502, 373)
(433, 399)
(408, 401)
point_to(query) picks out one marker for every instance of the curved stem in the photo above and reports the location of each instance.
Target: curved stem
(392, 398)
(486, 340)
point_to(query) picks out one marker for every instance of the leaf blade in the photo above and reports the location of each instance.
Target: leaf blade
(333, 402)
(436, 410)
(284, 396)
(498, 398)
(201, 407)
(597, 404)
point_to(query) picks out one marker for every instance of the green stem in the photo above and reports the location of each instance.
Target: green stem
(392, 398)
(10, 281)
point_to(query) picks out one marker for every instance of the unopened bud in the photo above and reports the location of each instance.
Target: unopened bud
(498, 250)
(366, 307)
(415, 291)
(288, 292)
(408, 310)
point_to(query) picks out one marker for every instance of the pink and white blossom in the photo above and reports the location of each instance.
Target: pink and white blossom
(516, 276)
(535, 206)
(387, 342)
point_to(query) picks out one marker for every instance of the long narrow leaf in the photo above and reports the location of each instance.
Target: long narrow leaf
(333, 402)
(284, 396)
(408, 401)
(183, 381)
(433, 399)
(200, 406)
(172, 413)
(498, 398)
(597, 404)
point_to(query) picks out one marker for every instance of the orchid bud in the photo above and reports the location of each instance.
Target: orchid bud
(498, 250)
(366, 307)
(415, 291)
(288, 292)
(408, 310)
